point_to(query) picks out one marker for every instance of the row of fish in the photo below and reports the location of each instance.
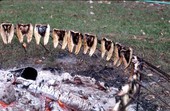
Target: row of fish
(69, 39)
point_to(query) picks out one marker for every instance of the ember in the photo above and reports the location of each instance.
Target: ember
(4, 105)
(61, 104)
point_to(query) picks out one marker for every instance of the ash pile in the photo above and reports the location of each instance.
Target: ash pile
(30, 89)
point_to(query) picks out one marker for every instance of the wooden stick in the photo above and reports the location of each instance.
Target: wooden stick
(159, 71)
(44, 47)
(153, 93)
(138, 98)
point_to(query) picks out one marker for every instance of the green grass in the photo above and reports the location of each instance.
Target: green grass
(121, 22)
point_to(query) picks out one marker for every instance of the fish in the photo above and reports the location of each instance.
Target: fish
(7, 32)
(107, 46)
(90, 42)
(24, 30)
(42, 30)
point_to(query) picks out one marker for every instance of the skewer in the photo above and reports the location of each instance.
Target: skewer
(153, 93)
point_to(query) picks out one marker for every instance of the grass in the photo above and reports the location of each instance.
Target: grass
(123, 22)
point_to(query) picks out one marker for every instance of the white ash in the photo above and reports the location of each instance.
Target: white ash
(29, 95)
(7, 92)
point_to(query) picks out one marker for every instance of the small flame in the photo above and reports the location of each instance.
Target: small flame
(61, 104)
(5, 105)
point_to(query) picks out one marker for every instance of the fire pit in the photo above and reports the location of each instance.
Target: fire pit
(52, 90)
